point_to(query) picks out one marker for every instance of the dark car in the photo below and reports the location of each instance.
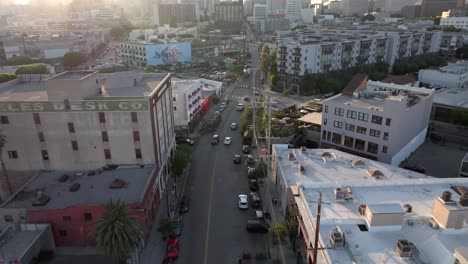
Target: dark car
(255, 201)
(246, 99)
(183, 205)
(186, 141)
(413, 167)
(256, 226)
(176, 226)
(250, 159)
(246, 149)
(215, 140)
(253, 185)
(237, 159)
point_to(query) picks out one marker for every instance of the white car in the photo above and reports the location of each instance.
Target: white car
(240, 107)
(233, 126)
(242, 200)
(227, 141)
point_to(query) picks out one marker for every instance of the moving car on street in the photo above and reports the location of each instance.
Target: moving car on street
(237, 159)
(215, 140)
(250, 159)
(240, 107)
(233, 126)
(253, 185)
(176, 227)
(245, 149)
(243, 203)
(187, 141)
(256, 226)
(172, 248)
(227, 141)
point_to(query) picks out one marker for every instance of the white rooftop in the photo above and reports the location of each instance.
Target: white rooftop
(452, 97)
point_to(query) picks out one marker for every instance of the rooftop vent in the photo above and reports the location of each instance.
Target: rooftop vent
(303, 149)
(118, 184)
(408, 208)
(342, 193)
(376, 174)
(291, 156)
(357, 163)
(446, 196)
(404, 248)
(362, 209)
(337, 237)
(75, 187)
(301, 168)
(464, 200)
(63, 178)
(326, 154)
(40, 199)
(91, 173)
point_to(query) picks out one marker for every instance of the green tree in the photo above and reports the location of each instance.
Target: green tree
(278, 233)
(73, 59)
(5, 172)
(273, 80)
(36, 68)
(118, 232)
(265, 59)
(165, 227)
(261, 170)
(19, 60)
(309, 85)
(119, 32)
(460, 116)
(437, 21)
(180, 159)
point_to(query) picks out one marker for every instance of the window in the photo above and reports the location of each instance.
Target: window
(12, 154)
(40, 135)
(384, 149)
(107, 153)
(71, 127)
(88, 216)
(105, 137)
(374, 133)
(338, 124)
(325, 121)
(328, 136)
(348, 141)
(134, 117)
(359, 144)
(351, 114)
(174, 99)
(385, 135)
(37, 118)
(326, 109)
(350, 127)
(376, 119)
(136, 136)
(138, 153)
(336, 138)
(388, 121)
(74, 145)
(45, 155)
(175, 108)
(363, 117)
(62, 233)
(339, 111)
(324, 134)
(102, 117)
(4, 120)
(8, 218)
(372, 147)
(66, 218)
(361, 130)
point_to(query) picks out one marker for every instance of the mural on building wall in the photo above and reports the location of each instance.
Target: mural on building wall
(172, 53)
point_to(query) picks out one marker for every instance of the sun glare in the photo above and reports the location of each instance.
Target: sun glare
(21, 2)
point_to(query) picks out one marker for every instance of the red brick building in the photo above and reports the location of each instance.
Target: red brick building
(71, 202)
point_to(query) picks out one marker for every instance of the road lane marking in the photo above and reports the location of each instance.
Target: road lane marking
(210, 200)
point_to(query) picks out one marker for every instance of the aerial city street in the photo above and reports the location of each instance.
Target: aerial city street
(239, 131)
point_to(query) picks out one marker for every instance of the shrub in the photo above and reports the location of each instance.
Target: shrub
(37, 68)
(19, 60)
(73, 58)
(5, 77)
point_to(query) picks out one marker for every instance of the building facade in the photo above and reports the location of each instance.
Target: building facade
(293, 10)
(368, 120)
(175, 13)
(433, 8)
(187, 97)
(454, 75)
(259, 11)
(85, 120)
(229, 16)
(141, 54)
(457, 22)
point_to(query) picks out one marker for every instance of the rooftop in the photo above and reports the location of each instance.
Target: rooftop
(16, 240)
(207, 85)
(71, 75)
(400, 79)
(312, 118)
(376, 94)
(452, 97)
(92, 189)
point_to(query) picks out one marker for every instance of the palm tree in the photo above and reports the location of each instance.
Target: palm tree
(118, 232)
(7, 178)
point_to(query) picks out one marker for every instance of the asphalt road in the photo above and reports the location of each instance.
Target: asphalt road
(214, 229)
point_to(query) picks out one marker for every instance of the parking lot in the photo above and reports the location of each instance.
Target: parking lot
(441, 160)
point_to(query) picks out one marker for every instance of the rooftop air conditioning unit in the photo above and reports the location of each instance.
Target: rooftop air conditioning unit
(404, 248)
(291, 156)
(339, 194)
(433, 224)
(337, 237)
(362, 209)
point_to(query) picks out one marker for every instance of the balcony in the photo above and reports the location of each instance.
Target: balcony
(282, 51)
(296, 52)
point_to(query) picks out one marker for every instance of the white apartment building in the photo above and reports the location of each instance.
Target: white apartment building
(457, 22)
(454, 75)
(370, 212)
(259, 12)
(85, 120)
(293, 10)
(133, 54)
(307, 15)
(380, 121)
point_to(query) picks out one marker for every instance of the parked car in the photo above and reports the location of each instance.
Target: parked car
(250, 159)
(243, 202)
(176, 226)
(221, 108)
(414, 167)
(245, 98)
(215, 140)
(250, 171)
(237, 159)
(240, 107)
(172, 248)
(256, 226)
(253, 185)
(233, 126)
(255, 201)
(187, 141)
(245, 149)
(227, 141)
(183, 205)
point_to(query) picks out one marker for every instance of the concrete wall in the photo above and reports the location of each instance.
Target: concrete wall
(45, 241)
(449, 216)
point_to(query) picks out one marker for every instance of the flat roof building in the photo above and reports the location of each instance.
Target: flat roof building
(453, 75)
(370, 211)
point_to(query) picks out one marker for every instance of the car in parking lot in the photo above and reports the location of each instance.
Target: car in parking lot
(256, 226)
(215, 140)
(172, 248)
(240, 107)
(183, 205)
(233, 126)
(250, 159)
(245, 149)
(176, 226)
(253, 185)
(255, 201)
(243, 202)
(237, 159)
(227, 141)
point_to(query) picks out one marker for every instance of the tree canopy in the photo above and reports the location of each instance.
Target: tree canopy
(36, 68)
(278, 232)
(181, 159)
(118, 32)
(118, 232)
(73, 59)
(5, 77)
(19, 60)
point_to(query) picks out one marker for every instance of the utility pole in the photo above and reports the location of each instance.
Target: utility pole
(317, 228)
